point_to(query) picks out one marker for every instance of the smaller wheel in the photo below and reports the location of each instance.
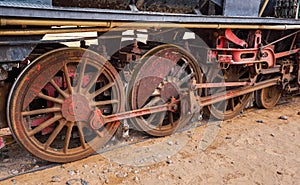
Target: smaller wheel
(268, 97)
(230, 108)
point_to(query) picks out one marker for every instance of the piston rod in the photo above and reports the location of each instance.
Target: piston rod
(205, 101)
(202, 101)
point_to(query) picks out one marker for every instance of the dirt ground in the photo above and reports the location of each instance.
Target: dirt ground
(255, 148)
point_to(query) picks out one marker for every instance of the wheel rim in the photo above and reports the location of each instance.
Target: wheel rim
(163, 75)
(52, 102)
(268, 97)
(229, 108)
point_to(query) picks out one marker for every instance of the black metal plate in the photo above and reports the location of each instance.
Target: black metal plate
(241, 8)
(104, 4)
(174, 6)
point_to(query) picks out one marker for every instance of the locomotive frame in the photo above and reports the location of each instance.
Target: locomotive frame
(159, 85)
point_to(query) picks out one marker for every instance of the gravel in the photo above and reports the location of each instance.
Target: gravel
(71, 172)
(170, 143)
(56, 178)
(283, 117)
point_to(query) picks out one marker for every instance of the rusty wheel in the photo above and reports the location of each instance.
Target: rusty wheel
(163, 75)
(52, 104)
(268, 97)
(232, 107)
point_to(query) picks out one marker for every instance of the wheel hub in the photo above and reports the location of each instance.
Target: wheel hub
(76, 108)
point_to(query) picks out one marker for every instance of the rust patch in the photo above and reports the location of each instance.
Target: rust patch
(38, 67)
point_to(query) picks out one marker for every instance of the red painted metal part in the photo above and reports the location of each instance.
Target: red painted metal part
(225, 84)
(136, 113)
(98, 120)
(287, 53)
(230, 36)
(245, 56)
(257, 39)
(205, 101)
(2, 142)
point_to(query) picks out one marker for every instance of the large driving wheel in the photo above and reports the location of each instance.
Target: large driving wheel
(53, 103)
(163, 75)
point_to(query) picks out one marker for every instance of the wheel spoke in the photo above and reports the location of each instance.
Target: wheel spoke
(229, 72)
(181, 70)
(185, 79)
(41, 111)
(68, 137)
(92, 82)
(171, 118)
(55, 133)
(232, 104)
(220, 106)
(49, 98)
(102, 89)
(220, 77)
(59, 90)
(226, 105)
(152, 102)
(81, 75)
(240, 99)
(106, 102)
(151, 118)
(161, 120)
(210, 74)
(44, 125)
(81, 135)
(68, 80)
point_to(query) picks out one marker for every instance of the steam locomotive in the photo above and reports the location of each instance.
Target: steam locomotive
(151, 65)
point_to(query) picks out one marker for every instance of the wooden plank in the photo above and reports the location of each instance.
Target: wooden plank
(5, 132)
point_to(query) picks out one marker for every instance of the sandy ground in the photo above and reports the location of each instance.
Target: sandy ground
(238, 151)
